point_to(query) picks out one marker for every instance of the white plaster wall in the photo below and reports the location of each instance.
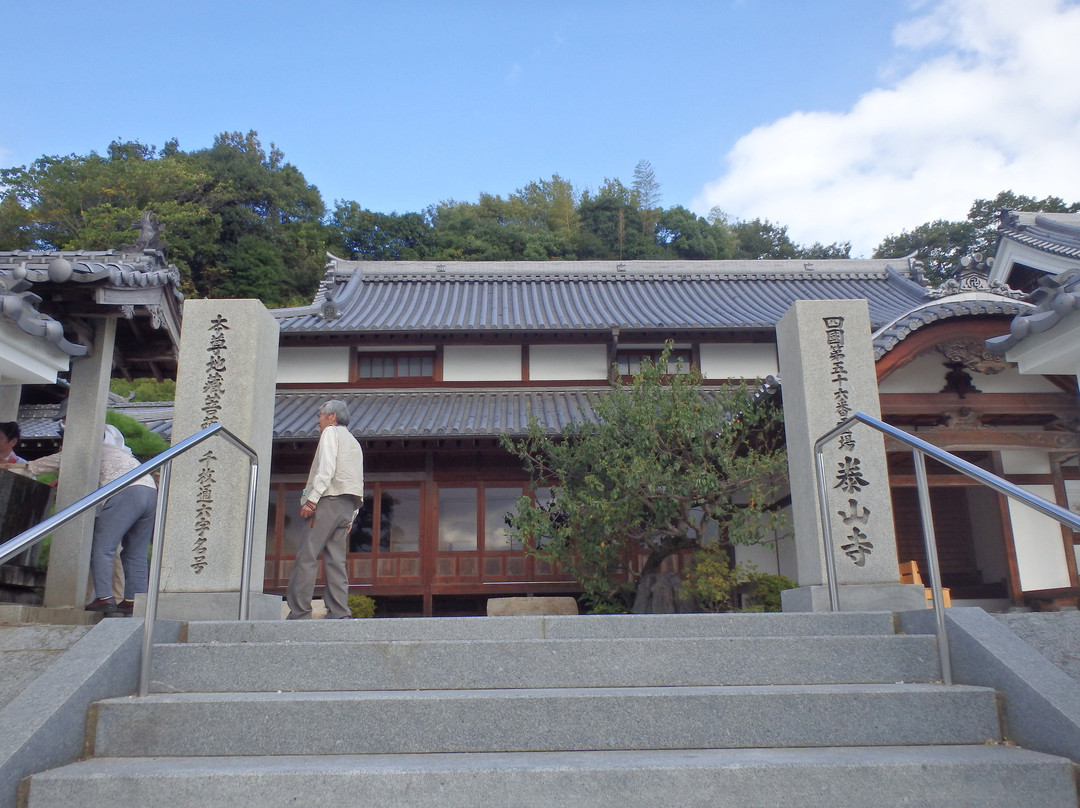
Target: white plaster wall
(313, 364)
(28, 360)
(739, 361)
(1010, 381)
(1040, 552)
(482, 363)
(567, 362)
(926, 374)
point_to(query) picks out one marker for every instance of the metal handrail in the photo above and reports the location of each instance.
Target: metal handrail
(29, 538)
(919, 450)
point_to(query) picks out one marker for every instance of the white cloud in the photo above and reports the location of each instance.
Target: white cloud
(992, 106)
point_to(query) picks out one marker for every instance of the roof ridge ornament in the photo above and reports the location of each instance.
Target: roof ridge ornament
(149, 238)
(973, 276)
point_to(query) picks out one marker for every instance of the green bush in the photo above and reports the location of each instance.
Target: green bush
(712, 581)
(361, 606)
(143, 443)
(761, 591)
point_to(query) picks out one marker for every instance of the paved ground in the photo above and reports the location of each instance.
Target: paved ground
(26, 651)
(1055, 635)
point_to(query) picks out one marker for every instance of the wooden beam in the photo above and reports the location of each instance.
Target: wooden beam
(991, 440)
(901, 404)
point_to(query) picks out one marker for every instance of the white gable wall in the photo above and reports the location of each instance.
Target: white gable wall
(482, 363)
(313, 365)
(926, 374)
(739, 361)
(568, 362)
(25, 359)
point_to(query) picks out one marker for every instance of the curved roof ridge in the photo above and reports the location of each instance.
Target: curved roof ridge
(966, 304)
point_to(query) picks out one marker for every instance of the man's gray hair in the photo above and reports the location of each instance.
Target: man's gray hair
(336, 406)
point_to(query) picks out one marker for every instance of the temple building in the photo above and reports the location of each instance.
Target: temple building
(438, 361)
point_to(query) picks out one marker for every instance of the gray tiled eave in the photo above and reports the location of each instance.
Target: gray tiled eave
(436, 413)
(680, 296)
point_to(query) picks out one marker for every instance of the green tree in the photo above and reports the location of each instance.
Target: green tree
(667, 465)
(690, 237)
(365, 235)
(940, 244)
(206, 200)
(144, 389)
(757, 239)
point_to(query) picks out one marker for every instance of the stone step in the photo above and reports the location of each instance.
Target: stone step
(440, 664)
(431, 721)
(613, 626)
(985, 776)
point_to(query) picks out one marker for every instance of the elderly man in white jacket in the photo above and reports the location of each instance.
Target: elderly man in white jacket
(334, 492)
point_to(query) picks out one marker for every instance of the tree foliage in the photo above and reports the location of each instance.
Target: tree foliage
(144, 389)
(241, 221)
(143, 443)
(669, 464)
(940, 244)
(224, 209)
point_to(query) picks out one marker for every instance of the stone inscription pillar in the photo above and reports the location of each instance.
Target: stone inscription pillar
(827, 374)
(227, 372)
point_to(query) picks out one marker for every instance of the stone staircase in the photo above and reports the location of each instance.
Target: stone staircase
(688, 710)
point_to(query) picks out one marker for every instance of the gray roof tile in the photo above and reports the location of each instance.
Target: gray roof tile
(415, 297)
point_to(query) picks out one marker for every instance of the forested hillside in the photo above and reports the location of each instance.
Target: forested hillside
(240, 221)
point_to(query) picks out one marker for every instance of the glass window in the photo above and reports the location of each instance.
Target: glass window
(361, 534)
(630, 361)
(499, 504)
(395, 365)
(398, 513)
(457, 519)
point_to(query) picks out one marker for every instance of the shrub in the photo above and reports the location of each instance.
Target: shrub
(361, 606)
(761, 592)
(712, 581)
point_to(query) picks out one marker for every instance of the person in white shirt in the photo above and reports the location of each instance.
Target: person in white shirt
(126, 517)
(334, 493)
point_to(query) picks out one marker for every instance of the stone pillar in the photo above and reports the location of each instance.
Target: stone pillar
(227, 372)
(827, 373)
(10, 394)
(80, 469)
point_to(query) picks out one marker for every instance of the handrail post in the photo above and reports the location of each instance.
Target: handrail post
(826, 532)
(249, 541)
(934, 569)
(155, 580)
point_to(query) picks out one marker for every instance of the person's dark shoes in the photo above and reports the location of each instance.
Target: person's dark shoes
(126, 607)
(105, 605)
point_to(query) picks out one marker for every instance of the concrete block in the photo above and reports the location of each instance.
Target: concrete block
(986, 776)
(1041, 702)
(422, 722)
(856, 598)
(628, 662)
(513, 607)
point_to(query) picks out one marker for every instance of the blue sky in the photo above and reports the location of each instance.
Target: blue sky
(842, 119)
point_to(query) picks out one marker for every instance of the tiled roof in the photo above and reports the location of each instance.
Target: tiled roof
(436, 413)
(1057, 297)
(1054, 233)
(21, 271)
(43, 421)
(592, 295)
(887, 338)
